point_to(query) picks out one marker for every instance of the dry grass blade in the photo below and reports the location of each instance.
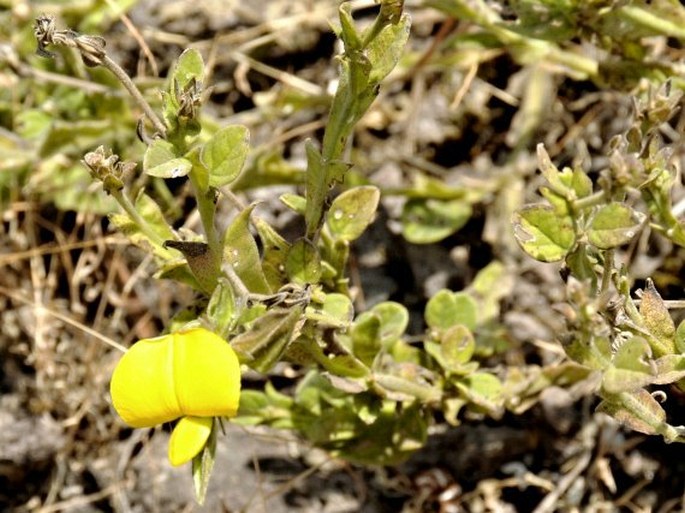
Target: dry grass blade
(64, 318)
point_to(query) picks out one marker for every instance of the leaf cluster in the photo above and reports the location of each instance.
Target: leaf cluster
(632, 344)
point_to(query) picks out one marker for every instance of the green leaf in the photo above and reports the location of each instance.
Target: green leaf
(550, 171)
(68, 137)
(221, 307)
(319, 180)
(70, 187)
(492, 283)
(158, 153)
(225, 153)
(267, 339)
(253, 405)
(365, 334)
(148, 210)
(559, 202)
(657, 320)
(457, 345)
(669, 369)
(348, 31)
(641, 412)
(404, 388)
(274, 251)
(203, 464)
(431, 220)
(580, 182)
(631, 367)
(352, 211)
(680, 337)
(484, 391)
(581, 262)
(268, 407)
(179, 271)
(394, 319)
(613, 225)
(188, 67)
(384, 51)
(317, 187)
(343, 365)
(336, 311)
(32, 123)
(174, 168)
(427, 187)
(241, 252)
(446, 309)
(451, 408)
(303, 263)
(294, 202)
(543, 233)
(160, 160)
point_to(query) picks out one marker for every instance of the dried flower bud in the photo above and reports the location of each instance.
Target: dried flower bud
(92, 48)
(106, 167)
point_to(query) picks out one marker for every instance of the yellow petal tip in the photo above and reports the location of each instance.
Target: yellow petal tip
(188, 438)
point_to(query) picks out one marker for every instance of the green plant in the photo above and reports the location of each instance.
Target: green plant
(290, 300)
(367, 393)
(631, 343)
(602, 41)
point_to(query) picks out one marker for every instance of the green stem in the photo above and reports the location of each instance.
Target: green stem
(135, 93)
(335, 135)
(337, 255)
(589, 201)
(623, 288)
(574, 61)
(608, 269)
(646, 19)
(206, 207)
(388, 382)
(140, 222)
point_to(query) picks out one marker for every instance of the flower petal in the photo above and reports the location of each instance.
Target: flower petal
(206, 374)
(195, 373)
(188, 438)
(142, 385)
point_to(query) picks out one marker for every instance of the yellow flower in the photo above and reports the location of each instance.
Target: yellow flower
(192, 375)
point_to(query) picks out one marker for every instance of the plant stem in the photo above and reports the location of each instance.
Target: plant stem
(650, 21)
(140, 222)
(589, 201)
(608, 268)
(135, 92)
(206, 207)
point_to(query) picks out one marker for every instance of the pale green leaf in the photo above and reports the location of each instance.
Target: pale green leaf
(352, 211)
(241, 252)
(303, 263)
(658, 321)
(384, 51)
(446, 309)
(543, 233)
(188, 67)
(174, 168)
(263, 344)
(613, 225)
(394, 319)
(431, 220)
(225, 153)
(365, 335)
